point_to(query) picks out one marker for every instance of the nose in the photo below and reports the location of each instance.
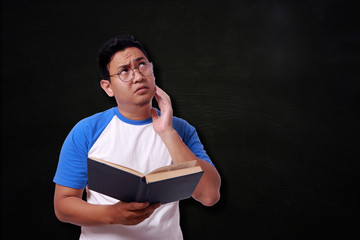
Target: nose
(138, 77)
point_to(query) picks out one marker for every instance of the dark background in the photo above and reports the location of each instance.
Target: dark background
(271, 86)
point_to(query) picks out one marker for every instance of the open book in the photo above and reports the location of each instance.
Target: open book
(166, 184)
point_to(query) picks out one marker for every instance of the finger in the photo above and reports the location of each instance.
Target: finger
(162, 99)
(159, 90)
(155, 206)
(158, 98)
(135, 206)
(139, 219)
(161, 94)
(150, 209)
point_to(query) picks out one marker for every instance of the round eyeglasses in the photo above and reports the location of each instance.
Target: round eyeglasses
(127, 74)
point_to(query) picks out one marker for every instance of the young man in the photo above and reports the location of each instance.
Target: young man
(135, 135)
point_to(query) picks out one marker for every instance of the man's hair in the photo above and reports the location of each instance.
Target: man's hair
(114, 45)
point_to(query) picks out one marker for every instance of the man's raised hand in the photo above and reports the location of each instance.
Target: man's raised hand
(162, 123)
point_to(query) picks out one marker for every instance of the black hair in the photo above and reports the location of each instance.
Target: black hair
(113, 46)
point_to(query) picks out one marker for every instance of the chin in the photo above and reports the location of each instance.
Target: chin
(146, 98)
(145, 101)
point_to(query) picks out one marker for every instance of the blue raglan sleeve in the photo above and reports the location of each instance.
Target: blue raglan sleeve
(72, 166)
(190, 138)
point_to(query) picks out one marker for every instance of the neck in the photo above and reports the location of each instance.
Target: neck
(136, 113)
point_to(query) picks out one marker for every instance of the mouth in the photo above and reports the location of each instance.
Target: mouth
(141, 89)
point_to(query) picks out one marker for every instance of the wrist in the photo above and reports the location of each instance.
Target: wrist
(107, 214)
(168, 134)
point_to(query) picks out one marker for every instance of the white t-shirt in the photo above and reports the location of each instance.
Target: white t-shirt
(110, 136)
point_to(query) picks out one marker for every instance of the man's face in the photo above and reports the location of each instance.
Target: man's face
(140, 90)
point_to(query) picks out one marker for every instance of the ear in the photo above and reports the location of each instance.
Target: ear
(106, 85)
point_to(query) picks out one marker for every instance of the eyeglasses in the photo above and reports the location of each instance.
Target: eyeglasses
(127, 74)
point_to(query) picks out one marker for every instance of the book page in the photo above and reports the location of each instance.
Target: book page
(158, 176)
(126, 169)
(174, 166)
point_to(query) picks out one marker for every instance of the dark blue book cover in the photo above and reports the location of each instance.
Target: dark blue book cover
(168, 184)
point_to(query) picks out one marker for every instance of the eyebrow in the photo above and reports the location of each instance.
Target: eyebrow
(127, 65)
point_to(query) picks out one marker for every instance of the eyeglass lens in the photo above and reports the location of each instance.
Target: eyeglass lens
(144, 69)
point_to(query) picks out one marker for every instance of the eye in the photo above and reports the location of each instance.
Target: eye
(142, 64)
(125, 71)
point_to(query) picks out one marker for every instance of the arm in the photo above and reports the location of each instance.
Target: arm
(208, 190)
(69, 207)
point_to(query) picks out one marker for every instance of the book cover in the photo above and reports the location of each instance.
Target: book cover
(163, 185)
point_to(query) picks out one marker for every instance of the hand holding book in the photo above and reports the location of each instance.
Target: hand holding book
(131, 213)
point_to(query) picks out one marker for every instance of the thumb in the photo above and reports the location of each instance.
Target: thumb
(154, 114)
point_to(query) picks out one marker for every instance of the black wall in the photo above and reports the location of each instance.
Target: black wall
(271, 86)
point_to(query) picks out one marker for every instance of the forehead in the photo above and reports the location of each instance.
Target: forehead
(126, 56)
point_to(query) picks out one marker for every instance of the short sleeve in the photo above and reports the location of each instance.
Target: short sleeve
(72, 167)
(191, 139)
